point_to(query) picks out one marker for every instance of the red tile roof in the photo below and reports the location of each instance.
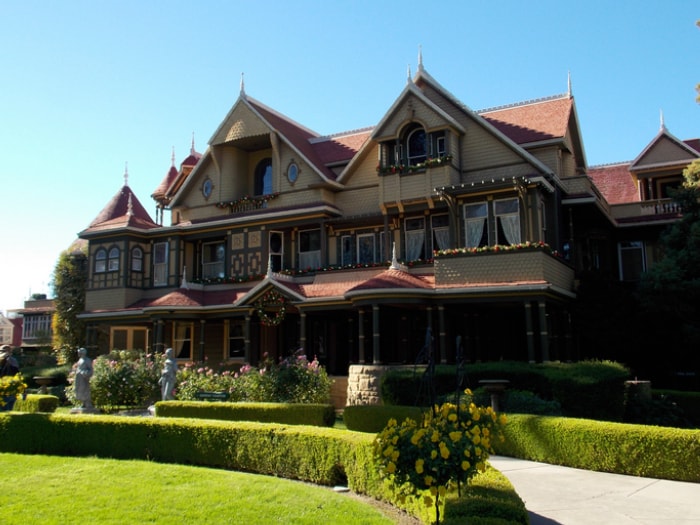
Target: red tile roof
(340, 147)
(183, 297)
(532, 121)
(615, 183)
(116, 213)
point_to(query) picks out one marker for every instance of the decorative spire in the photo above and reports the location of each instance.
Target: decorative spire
(408, 74)
(663, 124)
(269, 265)
(242, 86)
(126, 174)
(129, 207)
(568, 85)
(192, 147)
(172, 157)
(394, 261)
(420, 58)
(183, 283)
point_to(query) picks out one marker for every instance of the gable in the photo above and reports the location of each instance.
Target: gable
(663, 151)
(242, 127)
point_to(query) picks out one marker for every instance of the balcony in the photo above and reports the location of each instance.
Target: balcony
(658, 209)
(503, 264)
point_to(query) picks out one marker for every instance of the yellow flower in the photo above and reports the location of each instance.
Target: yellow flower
(455, 436)
(433, 491)
(452, 417)
(427, 501)
(395, 456)
(433, 454)
(419, 466)
(444, 451)
(481, 466)
(388, 451)
(435, 437)
(391, 467)
(476, 440)
(465, 465)
(428, 480)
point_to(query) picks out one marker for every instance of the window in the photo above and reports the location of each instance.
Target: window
(136, 259)
(416, 147)
(182, 340)
(160, 264)
(36, 326)
(438, 145)
(309, 249)
(440, 225)
(128, 338)
(365, 248)
(236, 340)
(276, 247)
(507, 214)
(475, 225)
(632, 260)
(113, 260)
(263, 177)
(415, 238)
(213, 256)
(101, 261)
(346, 250)
(292, 172)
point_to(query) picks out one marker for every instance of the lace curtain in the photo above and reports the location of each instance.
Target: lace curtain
(442, 236)
(414, 244)
(511, 228)
(475, 231)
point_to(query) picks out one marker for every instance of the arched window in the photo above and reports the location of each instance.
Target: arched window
(101, 261)
(136, 259)
(263, 177)
(416, 146)
(113, 260)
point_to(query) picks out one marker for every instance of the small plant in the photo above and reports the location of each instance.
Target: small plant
(448, 448)
(11, 387)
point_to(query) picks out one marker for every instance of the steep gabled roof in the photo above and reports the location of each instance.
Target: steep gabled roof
(123, 210)
(664, 150)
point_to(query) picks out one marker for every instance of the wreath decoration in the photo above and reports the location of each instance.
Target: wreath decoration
(271, 299)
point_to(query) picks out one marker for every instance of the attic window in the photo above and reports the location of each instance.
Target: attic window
(416, 146)
(263, 177)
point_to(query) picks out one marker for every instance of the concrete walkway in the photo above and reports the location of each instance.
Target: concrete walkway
(567, 496)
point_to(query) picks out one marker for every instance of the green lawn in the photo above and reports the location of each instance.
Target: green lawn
(59, 490)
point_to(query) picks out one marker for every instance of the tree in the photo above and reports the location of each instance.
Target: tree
(69, 278)
(670, 290)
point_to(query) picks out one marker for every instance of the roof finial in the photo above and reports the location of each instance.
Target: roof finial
(242, 86)
(663, 124)
(129, 207)
(192, 147)
(420, 58)
(126, 174)
(408, 74)
(172, 157)
(269, 265)
(394, 261)
(183, 283)
(568, 84)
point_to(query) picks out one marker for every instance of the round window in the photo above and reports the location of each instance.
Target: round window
(292, 172)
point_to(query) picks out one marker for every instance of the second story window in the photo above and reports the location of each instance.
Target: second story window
(415, 238)
(507, 212)
(416, 147)
(475, 225)
(101, 261)
(263, 177)
(160, 264)
(137, 259)
(213, 256)
(310, 249)
(113, 260)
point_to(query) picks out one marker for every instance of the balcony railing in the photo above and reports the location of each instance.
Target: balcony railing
(658, 207)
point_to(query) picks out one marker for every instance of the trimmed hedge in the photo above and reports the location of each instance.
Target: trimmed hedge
(373, 418)
(636, 450)
(36, 403)
(320, 455)
(284, 413)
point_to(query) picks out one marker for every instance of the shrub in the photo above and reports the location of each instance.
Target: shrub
(122, 378)
(286, 413)
(36, 403)
(373, 418)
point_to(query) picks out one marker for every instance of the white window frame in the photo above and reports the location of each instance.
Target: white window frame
(213, 269)
(183, 336)
(101, 261)
(624, 249)
(113, 257)
(136, 259)
(480, 214)
(510, 216)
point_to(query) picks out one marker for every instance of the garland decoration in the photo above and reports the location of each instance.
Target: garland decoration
(271, 299)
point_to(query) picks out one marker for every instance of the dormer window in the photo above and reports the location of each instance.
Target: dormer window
(416, 147)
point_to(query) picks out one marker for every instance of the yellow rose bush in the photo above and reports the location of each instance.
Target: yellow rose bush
(445, 450)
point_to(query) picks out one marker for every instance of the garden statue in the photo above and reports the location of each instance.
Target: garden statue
(83, 373)
(167, 377)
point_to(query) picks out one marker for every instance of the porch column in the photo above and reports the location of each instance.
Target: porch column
(376, 355)
(529, 332)
(246, 339)
(302, 330)
(442, 334)
(361, 335)
(351, 337)
(202, 324)
(544, 332)
(158, 345)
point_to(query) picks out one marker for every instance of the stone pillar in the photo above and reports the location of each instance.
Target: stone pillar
(364, 384)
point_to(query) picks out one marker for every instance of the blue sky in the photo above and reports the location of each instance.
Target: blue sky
(89, 87)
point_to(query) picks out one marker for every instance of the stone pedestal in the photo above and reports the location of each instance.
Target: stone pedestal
(638, 390)
(495, 387)
(364, 384)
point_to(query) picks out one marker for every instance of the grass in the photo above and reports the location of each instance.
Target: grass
(58, 490)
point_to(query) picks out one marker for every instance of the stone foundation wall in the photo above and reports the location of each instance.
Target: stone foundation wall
(364, 383)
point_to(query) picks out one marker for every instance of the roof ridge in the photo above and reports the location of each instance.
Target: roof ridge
(610, 164)
(282, 116)
(355, 131)
(523, 103)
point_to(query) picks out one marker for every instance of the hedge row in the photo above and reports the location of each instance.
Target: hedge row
(290, 414)
(324, 456)
(36, 403)
(636, 450)
(373, 418)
